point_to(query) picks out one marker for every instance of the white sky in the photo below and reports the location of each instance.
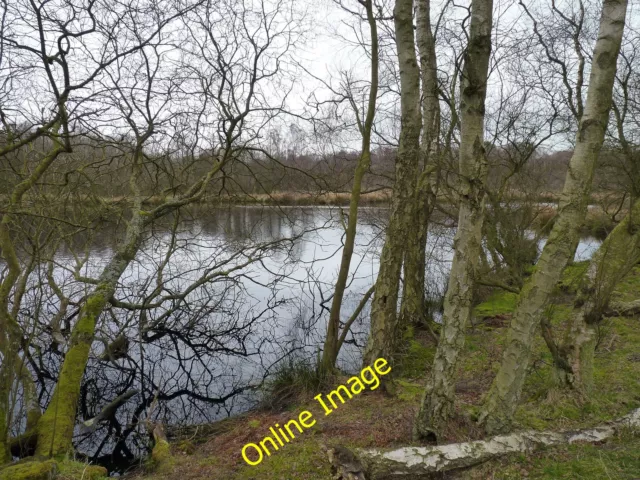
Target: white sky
(329, 47)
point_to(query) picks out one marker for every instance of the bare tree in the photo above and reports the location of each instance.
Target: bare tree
(505, 391)
(365, 126)
(140, 106)
(385, 329)
(439, 393)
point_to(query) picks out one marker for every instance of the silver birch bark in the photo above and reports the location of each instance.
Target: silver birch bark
(437, 403)
(426, 462)
(503, 397)
(331, 345)
(413, 308)
(384, 319)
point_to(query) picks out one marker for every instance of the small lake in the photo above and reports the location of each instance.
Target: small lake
(270, 273)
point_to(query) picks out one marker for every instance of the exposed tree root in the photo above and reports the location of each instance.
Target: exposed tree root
(24, 445)
(423, 462)
(161, 459)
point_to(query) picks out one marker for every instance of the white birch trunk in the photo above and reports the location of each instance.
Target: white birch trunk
(534, 297)
(384, 319)
(423, 462)
(437, 404)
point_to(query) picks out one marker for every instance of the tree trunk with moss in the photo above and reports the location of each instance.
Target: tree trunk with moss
(161, 458)
(413, 308)
(503, 397)
(385, 331)
(56, 426)
(5, 453)
(331, 345)
(615, 258)
(14, 372)
(12, 286)
(437, 403)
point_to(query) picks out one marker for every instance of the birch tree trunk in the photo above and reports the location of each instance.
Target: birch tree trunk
(331, 345)
(502, 400)
(437, 402)
(615, 258)
(413, 308)
(384, 319)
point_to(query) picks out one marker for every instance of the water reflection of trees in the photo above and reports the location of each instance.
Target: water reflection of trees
(211, 304)
(194, 325)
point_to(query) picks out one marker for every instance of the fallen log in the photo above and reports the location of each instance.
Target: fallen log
(623, 309)
(423, 462)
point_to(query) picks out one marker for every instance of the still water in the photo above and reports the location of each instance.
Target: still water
(243, 289)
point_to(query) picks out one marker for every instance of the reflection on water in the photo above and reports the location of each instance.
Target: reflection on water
(263, 283)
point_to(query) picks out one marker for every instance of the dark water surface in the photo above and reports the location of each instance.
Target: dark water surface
(202, 357)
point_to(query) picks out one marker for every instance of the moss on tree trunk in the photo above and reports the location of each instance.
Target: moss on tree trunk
(503, 397)
(385, 331)
(437, 403)
(56, 426)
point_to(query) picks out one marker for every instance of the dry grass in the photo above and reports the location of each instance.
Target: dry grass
(368, 420)
(310, 198)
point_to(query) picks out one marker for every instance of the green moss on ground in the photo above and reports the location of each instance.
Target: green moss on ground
(302, 461)
(71, 470)
(499, 303)
(414, 363)
(616, 459)
(629, 288)
(32, 469)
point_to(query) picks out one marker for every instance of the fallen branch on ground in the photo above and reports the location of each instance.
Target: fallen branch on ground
(623, 309)
(423, 462)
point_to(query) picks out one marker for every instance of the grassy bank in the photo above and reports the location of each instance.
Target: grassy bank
(375, 420)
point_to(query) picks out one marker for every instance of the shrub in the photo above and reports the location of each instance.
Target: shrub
(295, 378)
